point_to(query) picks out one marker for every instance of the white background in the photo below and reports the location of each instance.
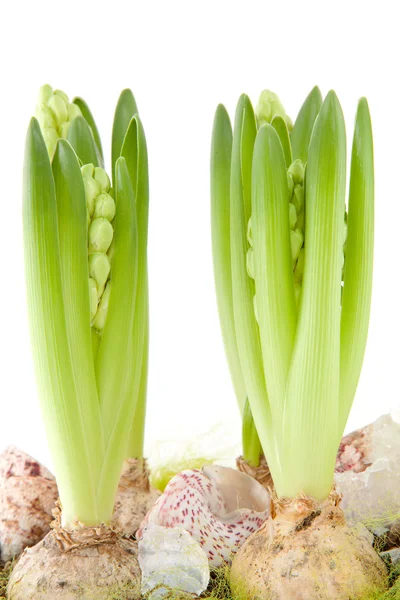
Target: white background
(182, 58)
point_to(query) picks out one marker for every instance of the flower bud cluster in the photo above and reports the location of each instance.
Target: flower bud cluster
(100, 207)
(295, 173)
(55, 114)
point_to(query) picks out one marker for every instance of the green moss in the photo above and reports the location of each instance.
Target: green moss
(219, 588)
(4, 576)
(130, 591)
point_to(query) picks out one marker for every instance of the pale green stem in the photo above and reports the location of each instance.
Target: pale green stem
(275, 297)
(279, 124)
(242, 285)
(221, 151)
(136, 440)
(251, 442)
(62, 384)
(356, 302)
(312, 404)
(134, 150)
(130, 340)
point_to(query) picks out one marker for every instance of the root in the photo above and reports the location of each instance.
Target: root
(262, 474)
(135, 497)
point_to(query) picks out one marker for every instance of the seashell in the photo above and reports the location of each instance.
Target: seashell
(220, 507)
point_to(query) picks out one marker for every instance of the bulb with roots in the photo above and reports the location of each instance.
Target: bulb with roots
(91, 563)
(306, 551)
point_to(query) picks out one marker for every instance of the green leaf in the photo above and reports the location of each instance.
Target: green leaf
(81, 138)
(61, 406)
(281, 129)
(114, 361)
(303, 126)
(87, 115)
(134, 150)
(243, 286)
(72, 229)
(126, 109)
(251, 442)
(120, 372)
(221, 151)
(136, 439)
(312, 407)
(276, 304)
(356, 302)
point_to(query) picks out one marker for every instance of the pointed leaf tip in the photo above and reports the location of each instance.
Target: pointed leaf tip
(34, 129)
(244, 101)
(316, 92)
(363, 108)
(221, 112)
(331, 98)
(302, 130)
(81, 138)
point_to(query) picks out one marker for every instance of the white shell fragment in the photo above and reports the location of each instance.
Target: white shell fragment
(368, 475)
(220, 507)
(28, 493)
(171, 560)
(393, 556)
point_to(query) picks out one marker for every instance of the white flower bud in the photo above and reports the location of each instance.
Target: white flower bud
(102, 179)
(92, 190)
(104, 207)
(99, 268)
(45, 92)
(62, 95)
(100, 235)
(58, 108)
(73, 111)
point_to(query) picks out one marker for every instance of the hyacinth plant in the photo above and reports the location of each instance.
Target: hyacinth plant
(293, 319)
(59, 118)
(294, 141)
(86, 271)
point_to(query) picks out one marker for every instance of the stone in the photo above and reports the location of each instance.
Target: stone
(171, 561)
(392, 556)
(368, 477)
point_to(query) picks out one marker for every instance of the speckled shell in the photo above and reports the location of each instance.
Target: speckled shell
(218, 506)
(28, 493)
